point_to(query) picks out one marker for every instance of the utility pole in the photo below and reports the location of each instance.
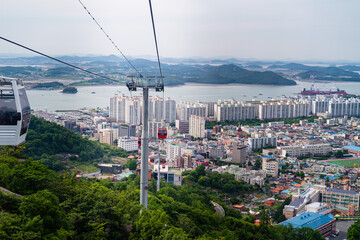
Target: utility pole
(158, 182)
(132, 85)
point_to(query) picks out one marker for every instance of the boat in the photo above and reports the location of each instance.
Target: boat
(93, 92)
(313, 91)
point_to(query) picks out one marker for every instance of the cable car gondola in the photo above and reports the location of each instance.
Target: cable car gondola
(162, 133)
(139, 141)
(15, 112)
(152, 160)
(163, 161)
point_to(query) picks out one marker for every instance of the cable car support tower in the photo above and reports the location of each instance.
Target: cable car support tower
(145, 85)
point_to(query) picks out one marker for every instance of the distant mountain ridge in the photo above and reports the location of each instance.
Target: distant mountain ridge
(231, 73)
(317, 70)
(175, 74)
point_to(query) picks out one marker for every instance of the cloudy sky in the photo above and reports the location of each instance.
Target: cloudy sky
(257, 29)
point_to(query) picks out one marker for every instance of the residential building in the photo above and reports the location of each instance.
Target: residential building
(326, 225)
(182, 125)
(340, 197)
(297, 150)
(239, 154)
(261, 142)
(283, 109)
(128, 144)
(197, 126)
(106, 136)
(217, 152)
(270, 165)
(173, 151)
(185, 110)
(170, 111)
(231, 110)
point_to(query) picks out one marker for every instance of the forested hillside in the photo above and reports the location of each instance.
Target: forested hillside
(57, 205)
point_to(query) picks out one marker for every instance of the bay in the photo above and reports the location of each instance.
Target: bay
(55, 100)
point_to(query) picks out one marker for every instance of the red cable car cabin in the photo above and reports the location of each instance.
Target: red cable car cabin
(139, 142)
(152, 160)
(162, 133)
(163, 161)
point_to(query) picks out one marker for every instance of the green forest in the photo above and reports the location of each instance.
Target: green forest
(57, 205)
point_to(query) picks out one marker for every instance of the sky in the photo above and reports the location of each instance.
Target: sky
(326, 30)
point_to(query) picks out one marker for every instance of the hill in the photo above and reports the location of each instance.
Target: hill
(231, 73)
(50, 85)
(60, 206)
(316, 71)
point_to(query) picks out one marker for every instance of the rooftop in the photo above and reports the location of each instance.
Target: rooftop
(352, 147)
(308, 219)
(297, 202)
(342, 191)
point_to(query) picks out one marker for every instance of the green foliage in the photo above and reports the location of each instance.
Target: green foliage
(29, 177)
(60, 71)
(353, 232)
(257, 164)
(131, 164)
(47, 141)
(49, 138)
(70, 90)
(45, 205)
(49, 85)
(278, 215)
(59, 206)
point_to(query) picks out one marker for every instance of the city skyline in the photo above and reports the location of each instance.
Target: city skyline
(277, 30)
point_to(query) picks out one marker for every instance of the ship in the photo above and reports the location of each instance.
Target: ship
(313, 91)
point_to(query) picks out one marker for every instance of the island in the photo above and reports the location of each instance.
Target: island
(71, 90)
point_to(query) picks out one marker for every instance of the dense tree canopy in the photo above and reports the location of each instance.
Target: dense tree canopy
(59, 206)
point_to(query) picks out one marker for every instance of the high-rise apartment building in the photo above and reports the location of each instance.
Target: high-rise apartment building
(283, 109)
(182, 125)
(173, 151)
(185, 110)
(197, 126)
(154, 127)
(170, 111)
(231, 110)
(128, 110)
(260, 142)
(239, 154)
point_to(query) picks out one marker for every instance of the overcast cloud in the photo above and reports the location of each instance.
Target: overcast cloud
(259, 29)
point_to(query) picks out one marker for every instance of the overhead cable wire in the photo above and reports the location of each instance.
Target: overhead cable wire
(113, 43)
(58, 60)
(156, 44)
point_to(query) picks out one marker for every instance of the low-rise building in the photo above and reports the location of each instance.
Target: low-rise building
(339, 197)
(270, 165)
(297, 150)
(326, 225)
(128, 144)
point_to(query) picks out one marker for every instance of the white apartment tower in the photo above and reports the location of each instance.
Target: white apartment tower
(197, 126)
(128, 110)
(185, 110)
(170, 111)
(232, 110)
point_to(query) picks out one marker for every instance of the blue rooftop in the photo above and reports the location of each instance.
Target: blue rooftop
(352, 147)
(308, 219)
